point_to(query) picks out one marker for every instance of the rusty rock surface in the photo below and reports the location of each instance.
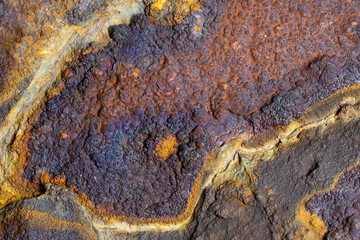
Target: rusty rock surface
(264, 210)
(220, 73)
(130, 124)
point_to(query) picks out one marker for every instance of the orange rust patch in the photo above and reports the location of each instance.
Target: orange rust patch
(63, 135)
(165, 147)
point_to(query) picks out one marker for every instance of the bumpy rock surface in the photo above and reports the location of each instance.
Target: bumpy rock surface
(202, 82)
(127, 131)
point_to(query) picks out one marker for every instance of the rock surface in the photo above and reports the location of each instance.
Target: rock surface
(191, 120)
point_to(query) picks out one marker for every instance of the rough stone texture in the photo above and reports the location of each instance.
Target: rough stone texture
(170, 12)
(82, 11)
(266, 210)
(55, 215)
(306, 167)
(232, 212)
(203, 81)
(317, 81)
(154, 81)
(135, 119)
(340, 207)
(26, 29)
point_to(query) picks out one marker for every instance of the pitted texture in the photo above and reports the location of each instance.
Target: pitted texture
(203, 82)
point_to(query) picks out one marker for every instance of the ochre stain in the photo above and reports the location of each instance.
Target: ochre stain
(315, 227)
(165, 147)
(63, 135)
(159, 4)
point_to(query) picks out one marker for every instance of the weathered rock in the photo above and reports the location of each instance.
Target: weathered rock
(339, 208)
(189, 119)
(120, 102)
(54, 215)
